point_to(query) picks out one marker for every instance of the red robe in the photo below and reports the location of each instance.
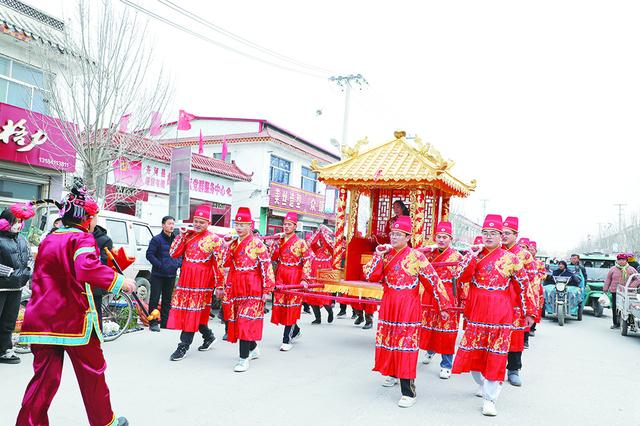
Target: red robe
(439, 335)
(542, 274)
(489, 311)
(520, 324)
(294, 265)
(199, 275)
(321, 247)
(401, 273)
(250, 278)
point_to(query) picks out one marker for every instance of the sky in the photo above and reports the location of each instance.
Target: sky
(537, 101)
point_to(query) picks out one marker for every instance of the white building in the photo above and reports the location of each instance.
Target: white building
(280, 161)
(33, 151)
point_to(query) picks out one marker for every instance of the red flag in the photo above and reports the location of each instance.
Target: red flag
(184, 120)
(124, 122)
(225, 148)
(155, 123)
(201, 144)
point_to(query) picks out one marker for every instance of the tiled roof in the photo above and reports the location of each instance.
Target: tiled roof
(30, 23)
(396, 162)
(154, 150)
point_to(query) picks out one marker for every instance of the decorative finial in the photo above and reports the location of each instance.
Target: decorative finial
(399, 134)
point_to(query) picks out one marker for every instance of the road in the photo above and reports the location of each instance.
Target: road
(582, 373)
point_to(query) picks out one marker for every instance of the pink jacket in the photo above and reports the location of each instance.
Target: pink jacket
(614, 277)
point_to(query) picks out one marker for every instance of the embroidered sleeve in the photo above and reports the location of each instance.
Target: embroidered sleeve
(307, 258)
(178, 246)
(527, 301)
(89, 269)
(266, 269)
(373, 269)
(467, 268)
(428, 274)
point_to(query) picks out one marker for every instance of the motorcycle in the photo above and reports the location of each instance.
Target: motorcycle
(560, 300)
(595, 297)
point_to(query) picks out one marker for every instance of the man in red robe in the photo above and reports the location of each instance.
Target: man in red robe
(321, 246)
(489, 314)
(532, 246)
(438, 335)
(294, 268)
(201, 253)
(249, 283)
(509, 237)
(402, 271)
(61, 316)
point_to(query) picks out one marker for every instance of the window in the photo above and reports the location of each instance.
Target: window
(117, 230)
(280, 170)
(142, 233)
(309, 179)
(218, 156)
(20, 190)
(23, 86)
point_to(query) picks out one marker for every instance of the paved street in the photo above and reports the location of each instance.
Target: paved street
(582, 373)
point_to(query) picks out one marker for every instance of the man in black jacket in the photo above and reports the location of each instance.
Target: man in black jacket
(103, 241)
(15, 256)
(163, 272)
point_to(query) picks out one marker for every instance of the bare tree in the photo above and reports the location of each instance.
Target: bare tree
(105, 73)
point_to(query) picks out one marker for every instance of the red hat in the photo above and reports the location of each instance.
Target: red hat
(203, 212)
(524, 241)
(533, 245)
(492, 222)
(477, 240)
(402, 223)
(444, 227)
(624, 256)
(291, 217)
(511, 223)
(243, 215)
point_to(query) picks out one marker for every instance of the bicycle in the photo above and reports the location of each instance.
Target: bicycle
(117, 315)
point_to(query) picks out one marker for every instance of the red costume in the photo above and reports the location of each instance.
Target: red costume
(489, 309)
(401, 274)
(199, 275)
(250, 278)
(294, 265)
(61, 318)
(439, 335)
(321, 246)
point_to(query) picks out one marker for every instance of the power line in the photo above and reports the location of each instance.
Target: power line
(240, 39)
(210, 40)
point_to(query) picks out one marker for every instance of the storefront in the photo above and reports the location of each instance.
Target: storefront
(147, 193)
(34, 156)
(310, 207)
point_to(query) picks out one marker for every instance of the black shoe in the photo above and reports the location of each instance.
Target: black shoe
(266, 310)
(359, 321)
(316, 321)
(12, 359)
(369, 322)
(179, 353)
(154, 327)
(532, 333)
(526, 345)
(122, 421)
(330, 312)
(207, 344)
(224, 337)
(613, 327)
(353, 316)
(342, 314)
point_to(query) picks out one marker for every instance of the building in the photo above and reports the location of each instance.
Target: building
(139, 184)
(281, 164)
(33, 152)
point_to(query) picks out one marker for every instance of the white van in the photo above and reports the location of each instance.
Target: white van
(127, 231)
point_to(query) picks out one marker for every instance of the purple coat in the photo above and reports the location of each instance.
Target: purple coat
(61, 310)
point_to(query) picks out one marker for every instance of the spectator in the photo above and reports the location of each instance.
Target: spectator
(163, 272)
(633, 262)
(618, 274)
(104, 242)
(15, 254)
(575, 261)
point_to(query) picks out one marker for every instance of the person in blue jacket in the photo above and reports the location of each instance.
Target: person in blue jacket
(163, 272)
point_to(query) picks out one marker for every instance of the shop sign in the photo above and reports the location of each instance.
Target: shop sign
(289, 198)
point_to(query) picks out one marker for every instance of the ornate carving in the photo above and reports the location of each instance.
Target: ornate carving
(348, 152)
(432, 154)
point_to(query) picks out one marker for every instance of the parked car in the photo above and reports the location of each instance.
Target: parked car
(125, 230)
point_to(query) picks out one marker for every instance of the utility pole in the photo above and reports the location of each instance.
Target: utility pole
(484, 202)
(346, 82)
(620, 207)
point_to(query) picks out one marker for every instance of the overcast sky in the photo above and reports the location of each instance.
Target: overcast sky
(538, 101)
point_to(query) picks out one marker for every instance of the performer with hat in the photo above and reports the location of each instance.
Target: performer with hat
(542, 275)
(61, 316)
(249, 283)
(321, 246)
(509, 238)
(489, 314)
(201, 253)
(436, 334)
(294, 268)
(402, 271)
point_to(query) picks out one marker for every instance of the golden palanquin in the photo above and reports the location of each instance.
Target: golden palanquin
(401, 169)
